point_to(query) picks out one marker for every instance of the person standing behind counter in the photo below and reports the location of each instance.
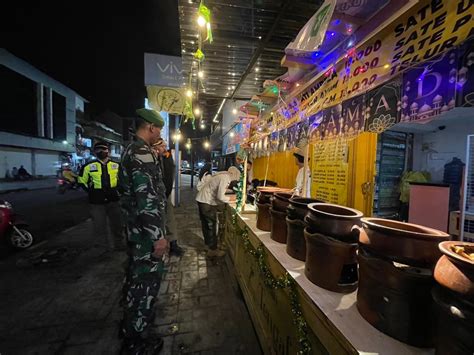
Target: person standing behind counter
(299, 160)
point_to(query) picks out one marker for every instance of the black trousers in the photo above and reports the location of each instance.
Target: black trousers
(207, 214)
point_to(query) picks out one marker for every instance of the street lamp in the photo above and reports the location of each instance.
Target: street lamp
(177, 136)
(207, 145)
(197, 111)
(202, 125)
(201, 21)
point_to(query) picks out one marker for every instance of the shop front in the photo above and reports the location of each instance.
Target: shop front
(366, 264)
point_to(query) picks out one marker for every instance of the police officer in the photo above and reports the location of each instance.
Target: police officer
(143, 204)
(99, 178)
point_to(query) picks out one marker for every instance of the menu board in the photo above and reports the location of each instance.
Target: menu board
(330, 171)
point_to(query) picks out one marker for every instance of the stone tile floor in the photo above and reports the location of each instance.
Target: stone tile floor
(62, 297)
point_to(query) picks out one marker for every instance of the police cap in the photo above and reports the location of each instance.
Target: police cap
(100, 145)
(151, 116)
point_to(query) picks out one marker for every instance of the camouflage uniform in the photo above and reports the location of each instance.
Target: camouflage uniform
(143, 202)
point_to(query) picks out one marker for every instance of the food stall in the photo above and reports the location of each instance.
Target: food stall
(319, 277)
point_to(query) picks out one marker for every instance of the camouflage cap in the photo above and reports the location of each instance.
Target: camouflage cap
(151, 116)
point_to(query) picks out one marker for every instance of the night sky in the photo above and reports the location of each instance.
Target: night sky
(94, 47)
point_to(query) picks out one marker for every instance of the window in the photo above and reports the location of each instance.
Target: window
(17, 103)
(59, 116)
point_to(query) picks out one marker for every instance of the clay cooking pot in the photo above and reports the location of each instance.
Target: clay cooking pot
(396, 299)
(454, 271)
(263, 217)
(280, 201)
(330, 263)
(278, 227)
(265, 193)
(334, 220)
(407, 243)
(295, 242)
(298, 207)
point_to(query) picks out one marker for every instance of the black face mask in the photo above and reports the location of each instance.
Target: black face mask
(102, 155)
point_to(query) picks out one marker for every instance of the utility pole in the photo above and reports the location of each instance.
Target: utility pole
(177, 163)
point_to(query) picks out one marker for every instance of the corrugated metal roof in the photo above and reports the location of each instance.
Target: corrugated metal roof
(249, 41)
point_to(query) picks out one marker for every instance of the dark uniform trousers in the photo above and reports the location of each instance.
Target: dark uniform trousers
(111, 213)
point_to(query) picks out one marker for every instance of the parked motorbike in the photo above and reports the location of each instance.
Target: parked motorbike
(64, 185)
(13, 230)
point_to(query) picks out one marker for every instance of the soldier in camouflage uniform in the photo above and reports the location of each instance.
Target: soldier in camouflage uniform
(143, 203)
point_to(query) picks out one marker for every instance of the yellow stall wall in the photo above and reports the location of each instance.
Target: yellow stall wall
(282, 169)
(361, 155)
(361, 184)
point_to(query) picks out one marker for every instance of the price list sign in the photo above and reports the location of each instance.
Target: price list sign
(330, 172)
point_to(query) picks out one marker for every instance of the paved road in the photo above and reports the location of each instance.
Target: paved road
(47, 212)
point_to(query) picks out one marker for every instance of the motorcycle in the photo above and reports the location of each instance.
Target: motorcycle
(64, 184)
(14, 231)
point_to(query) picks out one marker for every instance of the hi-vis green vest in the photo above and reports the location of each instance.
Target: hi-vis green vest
(100, 180)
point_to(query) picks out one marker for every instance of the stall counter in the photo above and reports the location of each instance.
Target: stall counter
(333, 322)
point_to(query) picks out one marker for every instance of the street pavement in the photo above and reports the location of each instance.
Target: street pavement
(62, 297)
(47, 212)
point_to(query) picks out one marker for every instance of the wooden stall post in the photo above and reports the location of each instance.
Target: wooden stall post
(305, 176)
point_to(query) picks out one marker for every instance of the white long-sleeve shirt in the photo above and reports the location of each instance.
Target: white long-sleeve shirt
(300, 182)
(212, 189)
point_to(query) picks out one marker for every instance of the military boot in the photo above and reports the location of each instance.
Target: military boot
(134, 346)
(175, 249)
(154, 345)
(139, 346)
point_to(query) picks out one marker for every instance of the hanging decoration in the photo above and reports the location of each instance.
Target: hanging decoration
(286, 282)
(199, 55)
(205, 14)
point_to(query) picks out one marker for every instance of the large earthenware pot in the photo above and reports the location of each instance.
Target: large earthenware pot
(295, 242)
(278, 228)
(455, 315)
(330, 263)
(280, 201)
(298, 207)
(396, 299)
(263, 217)
(264, 193)
(403, 242)
(455, 271)
(334, 221)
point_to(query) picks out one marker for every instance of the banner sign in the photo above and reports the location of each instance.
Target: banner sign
(292, 136)
(426, 30)
(430, 88)
(353, 111)
(315, 123)
(274, 141)
(311, 36)
(383, 107)
(465, 83)
(167, 99)
(163, 70)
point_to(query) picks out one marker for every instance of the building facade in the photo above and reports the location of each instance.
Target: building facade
(37, 118)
